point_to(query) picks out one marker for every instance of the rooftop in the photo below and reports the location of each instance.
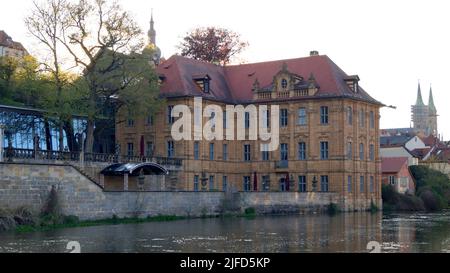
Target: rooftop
(393, 164)
(234, 83)
(394, 141)
(6, 41)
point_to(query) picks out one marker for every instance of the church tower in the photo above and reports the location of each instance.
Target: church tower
(432, 115)
(152, 50)
(152, 32)
(420, 114)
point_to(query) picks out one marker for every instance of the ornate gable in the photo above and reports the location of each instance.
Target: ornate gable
(286, 85)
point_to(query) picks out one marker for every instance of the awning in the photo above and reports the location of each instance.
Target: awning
(134, 169)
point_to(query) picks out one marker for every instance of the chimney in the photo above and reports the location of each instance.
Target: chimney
(314, 53)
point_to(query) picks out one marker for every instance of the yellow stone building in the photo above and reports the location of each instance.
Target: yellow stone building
(329, 129)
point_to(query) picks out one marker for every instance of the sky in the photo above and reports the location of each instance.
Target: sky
(391, 45)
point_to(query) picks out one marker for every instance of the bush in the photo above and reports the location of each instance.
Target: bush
(6, 220)
(393, 200)
(433, 186)
(332, 209)
(250, 211)
(115, 219)
(24, 216)
(71, 220)
(389, 195)
(373, 208)
(432, 201)
(409, 203)
(51, 220)
(51, 206)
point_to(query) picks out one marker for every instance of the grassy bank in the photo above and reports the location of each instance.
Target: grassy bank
(30, 222)
(72, 222)
(432, 192)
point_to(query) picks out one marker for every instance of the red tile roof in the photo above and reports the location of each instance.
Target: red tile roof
(393, 164)
(234, 83)
(179, 72)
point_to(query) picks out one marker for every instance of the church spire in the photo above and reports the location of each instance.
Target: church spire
(419, 101)
(431, 106)
(152, 32)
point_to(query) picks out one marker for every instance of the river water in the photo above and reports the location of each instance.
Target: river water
(418, 232)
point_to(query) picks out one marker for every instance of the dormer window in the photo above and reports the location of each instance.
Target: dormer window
(161, 78)
(284, 83)
(352, 83)
(203, 82)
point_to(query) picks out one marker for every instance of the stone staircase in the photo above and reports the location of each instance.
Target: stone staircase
(86, 174)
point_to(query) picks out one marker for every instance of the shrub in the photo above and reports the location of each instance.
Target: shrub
(409, 203)
(71, 220)
(250, 211)
(51, 206)
(389, 195)
(47, 220)
(24, 216)
(115, 219)
(431, 200)
(332, 209)
(373, 208)
(431, 180)
(393, 200)
(6, 220)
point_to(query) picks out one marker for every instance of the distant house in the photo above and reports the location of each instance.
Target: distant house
(402, 146)
(10, 48)
(397, 132)
(395, 172)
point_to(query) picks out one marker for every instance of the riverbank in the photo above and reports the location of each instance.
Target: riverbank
(73, 222)
(432, 193)
(119, 221)
(23, 221)
(52, 221)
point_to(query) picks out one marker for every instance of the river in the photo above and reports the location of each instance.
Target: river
(418, 232)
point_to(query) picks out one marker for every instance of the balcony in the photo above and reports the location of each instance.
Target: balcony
(283, 164)
(16, 154)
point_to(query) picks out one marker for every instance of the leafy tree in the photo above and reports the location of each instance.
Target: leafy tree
(432, 186)
(8, 66)
(29, 84)
(46, 23)
(212, 44)
(104, 42)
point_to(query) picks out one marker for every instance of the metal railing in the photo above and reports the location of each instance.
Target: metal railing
(30, 154)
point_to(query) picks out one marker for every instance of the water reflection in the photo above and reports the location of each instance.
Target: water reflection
(274, 234)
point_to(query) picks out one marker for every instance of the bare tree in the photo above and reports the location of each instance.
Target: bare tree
(47, 23)
(103, 40)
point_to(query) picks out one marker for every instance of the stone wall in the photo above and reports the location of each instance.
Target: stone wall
(29, 185)
(287, 202)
